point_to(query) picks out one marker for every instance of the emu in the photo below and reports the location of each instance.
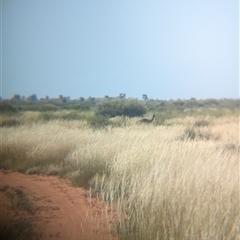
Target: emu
(146, 121)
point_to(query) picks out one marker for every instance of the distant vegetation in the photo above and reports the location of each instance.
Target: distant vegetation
(176, 178)
(121, 106)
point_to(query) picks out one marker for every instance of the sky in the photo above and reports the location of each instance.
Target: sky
(167, 49)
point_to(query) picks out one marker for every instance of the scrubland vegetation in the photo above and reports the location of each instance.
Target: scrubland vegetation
(177, 178)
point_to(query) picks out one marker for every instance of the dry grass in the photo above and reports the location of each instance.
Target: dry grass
(19, 199)
(20, 230)
(19, 204)
(163, 186)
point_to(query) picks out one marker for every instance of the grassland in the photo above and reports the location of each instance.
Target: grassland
(177, 178)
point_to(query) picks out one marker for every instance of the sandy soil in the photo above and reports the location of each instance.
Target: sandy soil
(61, 211)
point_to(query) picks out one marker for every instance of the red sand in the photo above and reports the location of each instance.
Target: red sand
(63, 212)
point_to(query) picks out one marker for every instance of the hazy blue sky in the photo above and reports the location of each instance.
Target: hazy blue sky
(164, 48)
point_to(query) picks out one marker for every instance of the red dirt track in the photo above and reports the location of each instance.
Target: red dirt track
(63, 212)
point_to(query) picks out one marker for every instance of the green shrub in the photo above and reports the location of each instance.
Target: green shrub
(48, 107)
(82, 107)
(68, 115)
(162, 117)
(7, 108)
(121, 107)
(98, 121)
(61, 114)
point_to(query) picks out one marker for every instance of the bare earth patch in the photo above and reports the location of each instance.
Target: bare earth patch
(57, 211)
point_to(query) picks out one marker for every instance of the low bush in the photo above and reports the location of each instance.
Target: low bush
(201, 123)
(162, 117)
(9, 122)
(82, 107)
(190, 133)
(121, 107)
(7, 108)
(30, 117)
(48, 107)
(98, 121)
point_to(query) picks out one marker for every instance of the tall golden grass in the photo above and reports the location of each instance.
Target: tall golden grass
(163, 182)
